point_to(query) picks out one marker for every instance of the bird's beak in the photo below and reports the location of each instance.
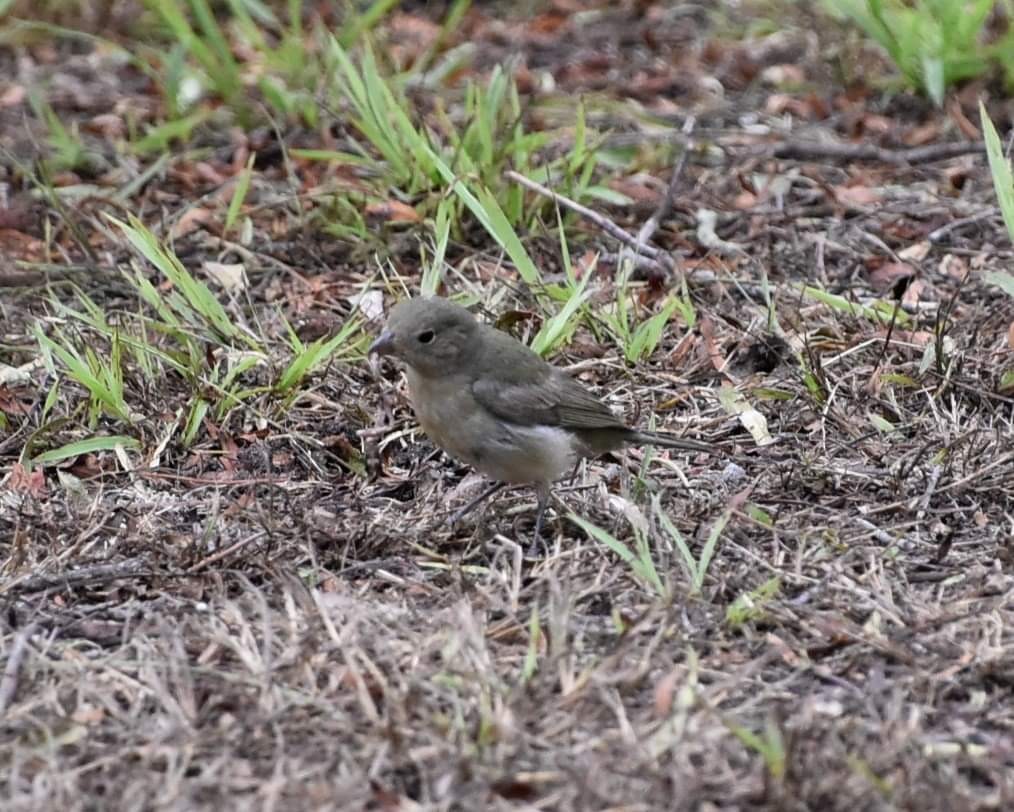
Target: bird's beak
(384, 345)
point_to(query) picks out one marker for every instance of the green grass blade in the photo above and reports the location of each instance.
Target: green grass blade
(694, 570)
(361, 23)
(487, 211)
(195, 419)
(1000, 169)
(80, 370)
(239, 194)
(561, 326)
(89, 446)
(194, 292)
(644, 572)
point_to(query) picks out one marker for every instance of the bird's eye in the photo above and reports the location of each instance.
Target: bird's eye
(425, 337)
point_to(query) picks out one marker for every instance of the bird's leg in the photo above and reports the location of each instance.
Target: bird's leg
(538, 545)
(462, 512)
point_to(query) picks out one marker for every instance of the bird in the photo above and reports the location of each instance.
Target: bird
(492, 402)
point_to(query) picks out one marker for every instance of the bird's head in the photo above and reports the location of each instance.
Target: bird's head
(433, 336)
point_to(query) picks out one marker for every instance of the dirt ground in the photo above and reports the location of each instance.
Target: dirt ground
(278, 616)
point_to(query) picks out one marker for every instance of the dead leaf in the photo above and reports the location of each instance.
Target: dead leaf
(21, 480)
(664, 692)
(875, 382)
(739, 499)
(10, 403)
(88, 714)
(393, 211)
(651, 87)
(314, 328)
(13, 96)
(893, 277)
(410, 35)
(241, 505)
(585, 263)
(370, 304)
(707, 221)
(230, 452)
(21, 374)
(525, 80)
(191, 220)
(957, 175)
(230, 276)
(548, 23)
(639, 188)
(1010, 336)
(857, 195)
(385, 799)
(415, 26)
(65, 179)
(778, 103)
(744, 200)
(509, 318)
(209, 174)
(810, 108)
(108, 125)
(923, 134)
(20, 213)
(781, 75)
(868, 124)
(968, 129)
(789, 657)
(734, 403)
(706, 328)
(916, 252)
(914, 293)
(282, 459)
(239, 157)
(682, 349)
(919, 338)
(86, 466)
(954, 266)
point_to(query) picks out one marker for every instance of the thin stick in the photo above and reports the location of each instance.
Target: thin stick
(938, 235)
(600, 220)
(665, 207)
(218, 556)
(9, 682)
(804, 151)
(84, 575)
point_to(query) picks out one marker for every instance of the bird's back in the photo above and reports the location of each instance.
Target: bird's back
(516, 384)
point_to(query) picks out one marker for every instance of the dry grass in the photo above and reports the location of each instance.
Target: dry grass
(280, 618)
(329, 662)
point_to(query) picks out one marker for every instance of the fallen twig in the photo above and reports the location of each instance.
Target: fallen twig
(85, 575)
(9, 682)
(804, 151)
(600, 220)
(931, 486)
(652, 223)
(220, 554)
(883, 536)
(938, 234)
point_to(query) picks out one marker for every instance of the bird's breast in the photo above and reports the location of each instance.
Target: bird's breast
(505, 451)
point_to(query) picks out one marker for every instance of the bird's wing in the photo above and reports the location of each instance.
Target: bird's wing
(550, 400)
(518, 386)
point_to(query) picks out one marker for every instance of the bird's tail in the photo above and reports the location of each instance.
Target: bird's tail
(668, 441)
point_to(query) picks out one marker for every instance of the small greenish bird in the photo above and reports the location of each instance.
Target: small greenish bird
(488, 400)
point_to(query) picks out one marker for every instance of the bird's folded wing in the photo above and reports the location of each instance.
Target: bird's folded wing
(553, 401)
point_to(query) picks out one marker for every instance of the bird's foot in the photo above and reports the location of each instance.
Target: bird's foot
(539, 548)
